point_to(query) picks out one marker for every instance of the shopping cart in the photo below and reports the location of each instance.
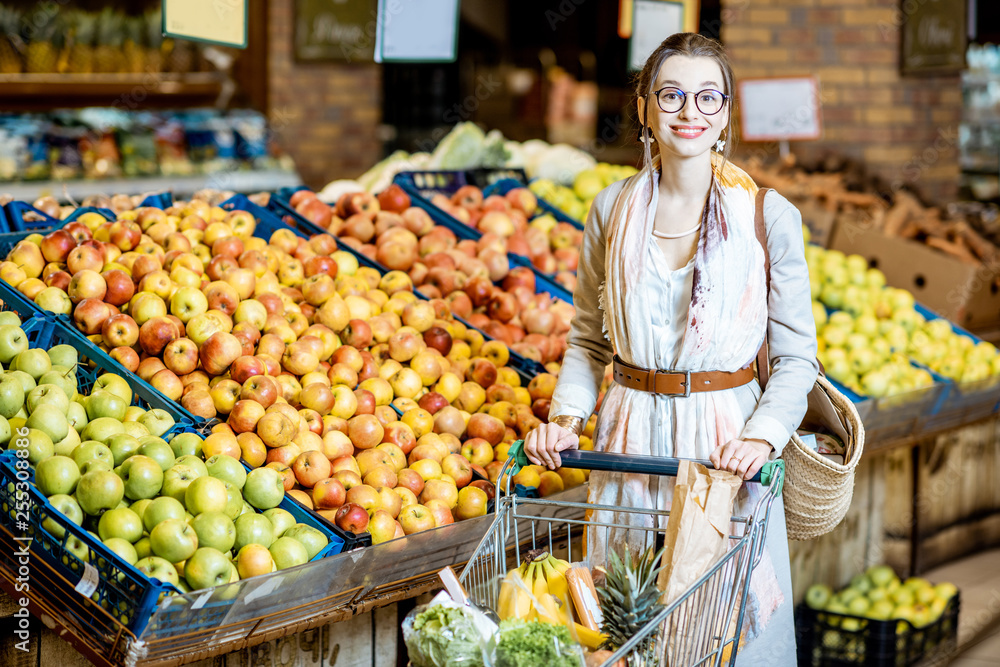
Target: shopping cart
(702, 627)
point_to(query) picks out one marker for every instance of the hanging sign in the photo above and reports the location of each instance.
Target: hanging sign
(652, 22)
(424, 31)
(326, 30)
(779, 109)
(222, 22)
(934, 36)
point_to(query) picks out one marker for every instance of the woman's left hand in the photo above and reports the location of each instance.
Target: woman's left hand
(743, 458)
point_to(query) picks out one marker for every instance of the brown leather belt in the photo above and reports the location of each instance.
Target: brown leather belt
(678, 383)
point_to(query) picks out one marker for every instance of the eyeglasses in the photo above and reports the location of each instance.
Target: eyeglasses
(708, 101)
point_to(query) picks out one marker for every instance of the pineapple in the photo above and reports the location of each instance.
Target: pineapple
(81, 54)
(135, 56)
(10, 41)
(44, 39)
(630, 599)
(108, 54)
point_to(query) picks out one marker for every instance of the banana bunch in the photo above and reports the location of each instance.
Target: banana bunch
(538, 590)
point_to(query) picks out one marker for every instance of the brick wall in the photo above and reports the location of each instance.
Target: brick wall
(904, 130)
(324, 114)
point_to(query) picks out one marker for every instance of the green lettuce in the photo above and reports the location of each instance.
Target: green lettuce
(536, 644)
(443, 637)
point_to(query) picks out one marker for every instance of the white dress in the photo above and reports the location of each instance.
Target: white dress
(668, 295)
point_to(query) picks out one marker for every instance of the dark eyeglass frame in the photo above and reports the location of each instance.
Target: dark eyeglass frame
(725, 98)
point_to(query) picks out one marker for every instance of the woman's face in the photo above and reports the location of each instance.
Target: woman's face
(688, 132)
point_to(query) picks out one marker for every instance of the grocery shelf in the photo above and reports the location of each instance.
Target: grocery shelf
(239, 181)
(30, 91)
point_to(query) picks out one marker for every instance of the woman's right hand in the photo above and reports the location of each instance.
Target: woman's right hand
(543, 444)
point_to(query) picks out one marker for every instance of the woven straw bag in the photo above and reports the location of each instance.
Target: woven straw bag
(817, 491)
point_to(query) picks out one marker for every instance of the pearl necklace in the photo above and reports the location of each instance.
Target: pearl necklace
(663, 235)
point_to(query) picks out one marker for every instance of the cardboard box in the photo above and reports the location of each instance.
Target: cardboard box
(818, 219)
(963, 293)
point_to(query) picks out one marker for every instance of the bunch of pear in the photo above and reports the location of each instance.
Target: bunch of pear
(575, 202)
(868, 342)
(153, 496)
(878, 594)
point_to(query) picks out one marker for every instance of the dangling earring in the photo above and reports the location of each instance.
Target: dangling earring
(720, 145)
(646, 135)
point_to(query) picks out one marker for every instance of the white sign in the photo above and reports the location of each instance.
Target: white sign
(652, 22)
(779, 109)
(417, 31)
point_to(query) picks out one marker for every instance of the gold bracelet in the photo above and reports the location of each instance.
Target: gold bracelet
(568, 422)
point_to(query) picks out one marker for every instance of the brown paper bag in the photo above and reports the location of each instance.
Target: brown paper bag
(697, 531)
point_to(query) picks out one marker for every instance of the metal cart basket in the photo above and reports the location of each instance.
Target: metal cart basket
(702, 627)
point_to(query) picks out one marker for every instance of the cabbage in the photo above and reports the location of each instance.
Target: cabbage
(379, 177)
(443, 636)
(461, 148)
(494, 151)
(333, 191)
(559, 163)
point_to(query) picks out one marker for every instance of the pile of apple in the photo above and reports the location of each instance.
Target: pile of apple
(868, 343)
(473, 278)
(576, 201)
(176, 510)
(878, 594)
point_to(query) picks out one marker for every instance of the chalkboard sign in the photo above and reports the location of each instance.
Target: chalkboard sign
(343, 30)
(933, 36)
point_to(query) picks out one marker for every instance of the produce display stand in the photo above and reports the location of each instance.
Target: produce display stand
(420, 186)
(278, 206)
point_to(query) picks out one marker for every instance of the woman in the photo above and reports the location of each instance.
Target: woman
(671, 277)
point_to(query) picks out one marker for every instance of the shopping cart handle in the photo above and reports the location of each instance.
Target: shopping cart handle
(644, 465)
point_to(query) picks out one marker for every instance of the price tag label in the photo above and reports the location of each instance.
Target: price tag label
(202, 599)
(88, 583)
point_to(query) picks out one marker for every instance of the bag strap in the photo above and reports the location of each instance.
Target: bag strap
(763, 367)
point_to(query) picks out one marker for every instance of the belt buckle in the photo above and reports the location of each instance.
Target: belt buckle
(687, 382)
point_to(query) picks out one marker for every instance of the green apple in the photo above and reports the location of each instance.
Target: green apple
(139, 506)
(143, 477)
(96, 464)
(123, 548)
(64, 355)
(10, 317)
(157, 421)
(49, 395)
(57, 475)
(13, 341)
(160, 509)
(27, 382)
(246, 509)
(313, 540)
(11, 395)
(877, 595)
(120, 522)
(76, 546)
(234, 502)
(5, 432)
(205, 494)
(63, 378)
(206, 568)
(116, 385)
(859, 606)
(34, 362)
(101, 429)
(861, 583)
(68, 507)
(173, 540)
(122, 446)
(76, 415)
(158, 568)
(281, 520)
(880, 610)
(226, 468)
(99, 491)
(160, 452)
(176, 481)
(135, 429)
(264, 488)
(253, 529)
(880, 575)
(38, 444)
(105, 404)
(142, 548)
(216, 530)
(193, 462)
(133, 412)
(186, 443)
(49, 419)
(93, 449)
(903, 597)
(288, 552)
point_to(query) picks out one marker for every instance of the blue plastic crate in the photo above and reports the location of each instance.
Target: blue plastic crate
(158, 200)
(37, 221)
(526, 368)
(4, 223)
(504, 186)
(418, 185)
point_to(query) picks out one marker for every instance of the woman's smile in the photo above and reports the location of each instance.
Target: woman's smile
(688, 131)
